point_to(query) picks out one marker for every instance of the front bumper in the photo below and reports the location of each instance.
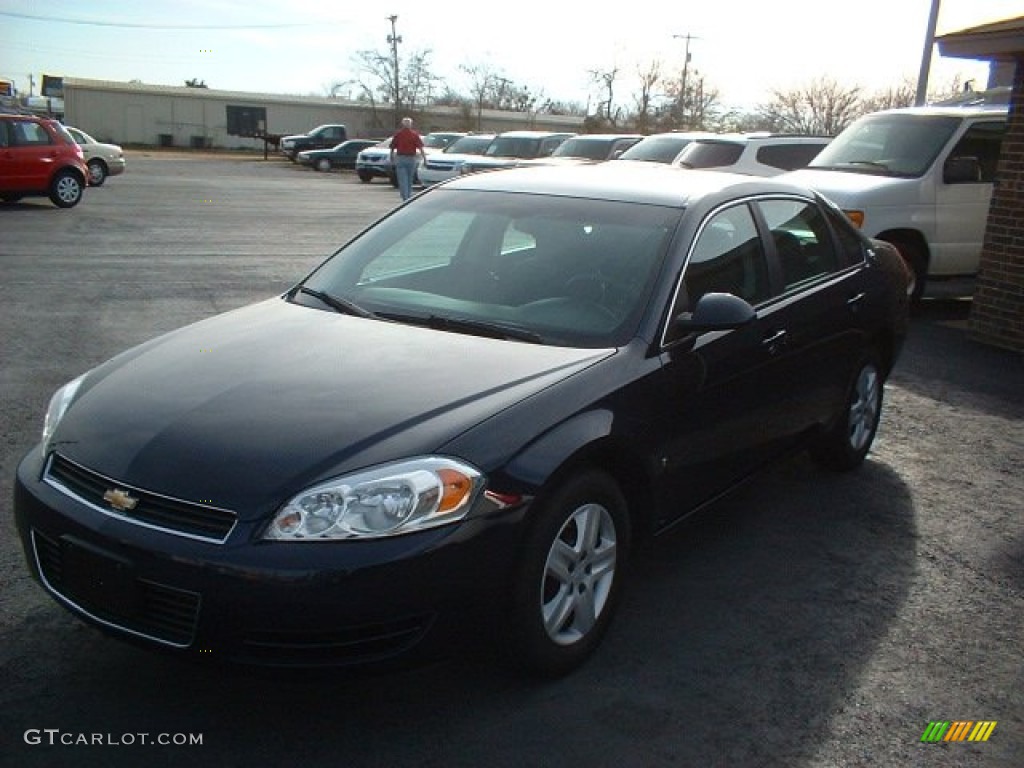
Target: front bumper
(261, 602)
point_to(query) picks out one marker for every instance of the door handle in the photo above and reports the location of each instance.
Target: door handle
(775, 342)
(854, 302)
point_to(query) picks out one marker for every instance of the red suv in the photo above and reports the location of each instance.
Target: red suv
(38, 157)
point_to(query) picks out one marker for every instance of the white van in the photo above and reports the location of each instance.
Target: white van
(920, 178)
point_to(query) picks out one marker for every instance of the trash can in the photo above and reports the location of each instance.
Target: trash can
(166, 140)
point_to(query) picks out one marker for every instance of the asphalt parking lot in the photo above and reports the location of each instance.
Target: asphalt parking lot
(809, 620)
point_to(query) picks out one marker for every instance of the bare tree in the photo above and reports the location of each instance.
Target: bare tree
(650, 79)
(418, 81)
(692, 109)
(607, 113)
(481, 84)
(377, 78)
(821, 107)
(902, 95)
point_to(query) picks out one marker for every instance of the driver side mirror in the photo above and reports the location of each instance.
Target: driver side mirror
(715, 312)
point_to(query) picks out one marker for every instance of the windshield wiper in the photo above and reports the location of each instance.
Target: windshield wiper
(466, 325)
(344, 306)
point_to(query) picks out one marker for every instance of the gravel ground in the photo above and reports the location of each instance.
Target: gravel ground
(808, 620)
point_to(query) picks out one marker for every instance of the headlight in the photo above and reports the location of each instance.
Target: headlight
(58, 407)
(385, 501)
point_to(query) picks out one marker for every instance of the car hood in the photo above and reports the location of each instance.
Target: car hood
(245, 409)
(853, 189)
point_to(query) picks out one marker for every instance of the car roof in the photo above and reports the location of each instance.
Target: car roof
(607, 136)
(534, 134)
(762, 138)
(624, 181)
(974, 110)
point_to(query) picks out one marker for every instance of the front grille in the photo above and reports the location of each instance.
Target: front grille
(151, 509)
(165, 614)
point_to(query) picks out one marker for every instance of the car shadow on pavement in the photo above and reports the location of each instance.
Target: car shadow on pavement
(740, 631)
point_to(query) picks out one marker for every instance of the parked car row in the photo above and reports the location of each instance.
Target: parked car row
(40, 157)
(375, 162)
(455, 154)
(918, 178)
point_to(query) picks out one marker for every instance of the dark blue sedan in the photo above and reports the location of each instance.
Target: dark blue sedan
(340, 156)
(461, 422)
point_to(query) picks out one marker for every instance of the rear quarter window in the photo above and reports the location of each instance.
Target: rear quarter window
(788, 157)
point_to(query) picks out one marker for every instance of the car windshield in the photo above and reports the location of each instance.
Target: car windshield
(548, 269)
(888, 144)
(709, 154)
(513, 146)
(591, 149)
(438, 140)
(469, 145)
(656, 149)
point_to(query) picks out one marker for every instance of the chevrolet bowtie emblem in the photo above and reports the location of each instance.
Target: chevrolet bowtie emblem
(120, 500)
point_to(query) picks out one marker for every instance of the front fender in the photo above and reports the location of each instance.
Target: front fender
(535, 464)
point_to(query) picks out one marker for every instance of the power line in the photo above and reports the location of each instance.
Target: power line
(129, 25)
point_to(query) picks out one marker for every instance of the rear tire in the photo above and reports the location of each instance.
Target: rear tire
(570, 575)
(915, 259)
(66, 189)
(846, 445)
(97, 173)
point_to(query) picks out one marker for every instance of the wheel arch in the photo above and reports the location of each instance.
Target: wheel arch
(913, 247)
(586, 442)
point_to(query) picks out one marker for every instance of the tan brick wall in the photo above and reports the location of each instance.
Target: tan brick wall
(997, 315)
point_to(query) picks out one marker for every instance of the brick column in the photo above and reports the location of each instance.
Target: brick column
(997, 313)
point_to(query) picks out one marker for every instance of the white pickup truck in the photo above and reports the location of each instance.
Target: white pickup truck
(919, 178)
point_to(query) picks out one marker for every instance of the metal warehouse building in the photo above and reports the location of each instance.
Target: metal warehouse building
(180, 116)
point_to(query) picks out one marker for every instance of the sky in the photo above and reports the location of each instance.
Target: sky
(742, 48)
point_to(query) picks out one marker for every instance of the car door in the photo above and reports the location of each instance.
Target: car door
(721, 407)
(29, 155)
(821, 307)
(961, 205)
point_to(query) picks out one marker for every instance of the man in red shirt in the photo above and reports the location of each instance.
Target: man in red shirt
(404, 146)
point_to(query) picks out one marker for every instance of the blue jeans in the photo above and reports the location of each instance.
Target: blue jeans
(405, 170)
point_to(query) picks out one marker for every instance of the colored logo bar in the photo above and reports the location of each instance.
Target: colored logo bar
(958, 730)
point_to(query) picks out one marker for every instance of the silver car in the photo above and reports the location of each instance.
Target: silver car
(103, 159)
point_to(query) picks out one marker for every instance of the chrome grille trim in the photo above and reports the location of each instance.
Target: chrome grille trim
(156, 511)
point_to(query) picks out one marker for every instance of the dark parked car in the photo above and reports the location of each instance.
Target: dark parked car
(321, 137)
(509, 149)
(341, 156)
(39, 158)
(586, 148)
(661, 147)
(463, 420)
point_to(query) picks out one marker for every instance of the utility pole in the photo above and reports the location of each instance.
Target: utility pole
(686, 71)
(394, 39)
(926, 56)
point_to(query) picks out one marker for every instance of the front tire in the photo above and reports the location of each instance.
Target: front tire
(97, 173)
(323, 164)
(66, 189)
(847, 444)
(365, 176)
(571, 574)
